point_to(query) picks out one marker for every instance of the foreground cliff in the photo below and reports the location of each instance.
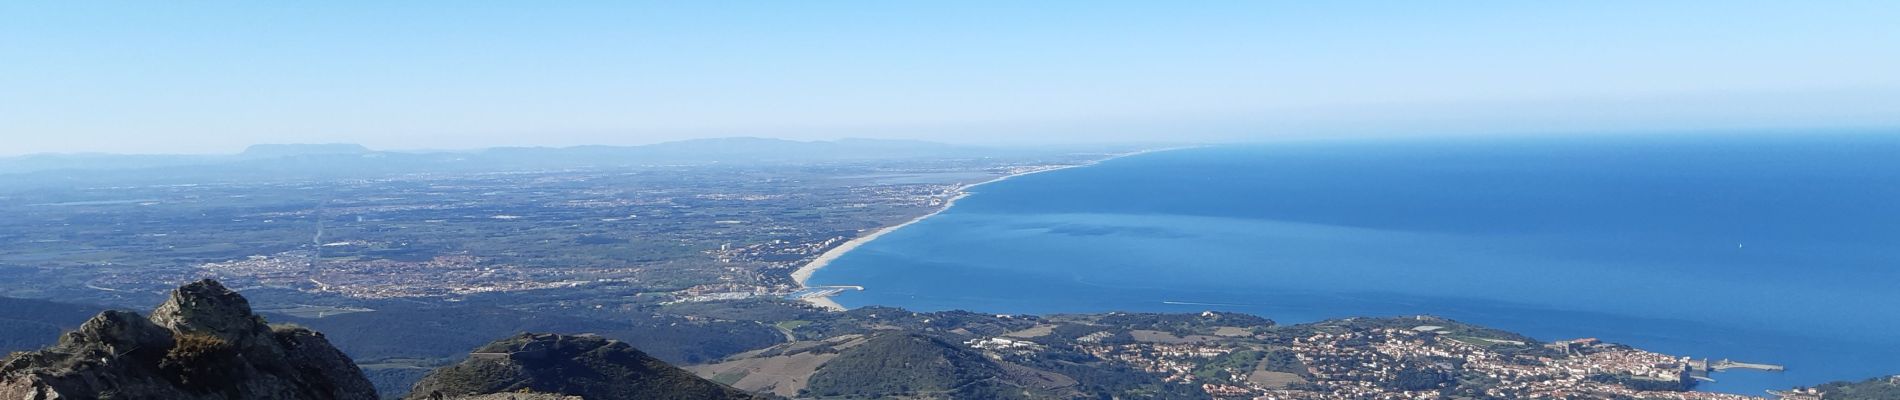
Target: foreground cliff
(202, 343)
(588, 366)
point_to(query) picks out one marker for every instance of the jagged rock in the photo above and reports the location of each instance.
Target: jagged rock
(202, 343)
(516, 396)
(207, 308)
(117, 332)
(591, 367)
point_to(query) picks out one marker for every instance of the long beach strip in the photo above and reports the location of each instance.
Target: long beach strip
(804, 272)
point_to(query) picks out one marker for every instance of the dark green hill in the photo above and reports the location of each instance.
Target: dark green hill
(588, 366)
(398, 344)
(1887, 388)
(906, 365)
(435, 332)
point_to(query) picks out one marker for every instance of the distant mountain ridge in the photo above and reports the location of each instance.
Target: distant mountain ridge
(735, 150)
(716, 150)
(292, 150)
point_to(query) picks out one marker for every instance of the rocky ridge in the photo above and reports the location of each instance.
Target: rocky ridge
(203, 342)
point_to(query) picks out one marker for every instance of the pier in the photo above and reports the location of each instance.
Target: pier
(1705, 366)
(1726, 364)
(821, 291)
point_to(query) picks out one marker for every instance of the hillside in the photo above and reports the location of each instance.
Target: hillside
(454, 330)
(878, 352)
(1872, 389)
(781, 370)
(906, 365)
(592, 367)
(409, 341)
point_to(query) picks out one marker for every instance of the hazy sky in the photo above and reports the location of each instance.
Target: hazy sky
(197, 77)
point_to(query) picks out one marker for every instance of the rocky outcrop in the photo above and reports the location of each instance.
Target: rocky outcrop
(202, 343)
(591, 367)
(516, 396)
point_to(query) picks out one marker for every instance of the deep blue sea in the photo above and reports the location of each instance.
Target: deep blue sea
(1766, 248)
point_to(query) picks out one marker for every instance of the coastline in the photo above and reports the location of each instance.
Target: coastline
(805, 272)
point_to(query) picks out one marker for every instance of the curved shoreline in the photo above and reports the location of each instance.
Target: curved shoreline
(805, 272)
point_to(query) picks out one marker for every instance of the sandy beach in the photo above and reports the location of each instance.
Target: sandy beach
(805, 272)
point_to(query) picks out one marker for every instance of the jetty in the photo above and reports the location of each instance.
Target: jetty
(1706, 366)
(821, 291)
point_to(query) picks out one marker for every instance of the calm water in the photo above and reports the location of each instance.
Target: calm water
(1778, 249)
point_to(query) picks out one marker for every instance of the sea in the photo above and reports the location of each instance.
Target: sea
(1770, 248)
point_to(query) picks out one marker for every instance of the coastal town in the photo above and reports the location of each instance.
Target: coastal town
(1238, 356)
(1429, 360)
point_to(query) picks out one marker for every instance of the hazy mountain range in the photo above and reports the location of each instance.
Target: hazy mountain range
(338, 160)
(689, 151)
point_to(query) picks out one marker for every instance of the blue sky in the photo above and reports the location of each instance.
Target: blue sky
(210, 77)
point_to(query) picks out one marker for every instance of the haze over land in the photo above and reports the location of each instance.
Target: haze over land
(142, 77)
